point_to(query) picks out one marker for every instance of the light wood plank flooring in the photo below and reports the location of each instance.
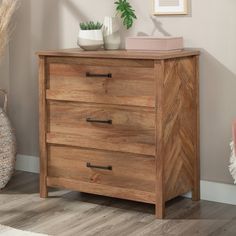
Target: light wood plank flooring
(73, 213)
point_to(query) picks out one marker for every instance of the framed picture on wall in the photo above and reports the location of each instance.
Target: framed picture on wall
(170, 7)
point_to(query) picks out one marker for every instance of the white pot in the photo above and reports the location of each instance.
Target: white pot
(111, 33)
(90, 39)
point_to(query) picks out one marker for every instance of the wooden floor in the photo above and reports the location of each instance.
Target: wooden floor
(73, 213)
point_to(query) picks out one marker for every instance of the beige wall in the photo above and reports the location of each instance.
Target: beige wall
(211, 26)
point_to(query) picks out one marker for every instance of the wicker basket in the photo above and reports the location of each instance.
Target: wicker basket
(7, 145)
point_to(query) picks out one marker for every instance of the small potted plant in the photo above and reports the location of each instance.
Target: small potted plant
(90, 36)
(111, 29)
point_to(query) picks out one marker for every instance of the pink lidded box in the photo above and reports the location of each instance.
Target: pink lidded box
(149, 43)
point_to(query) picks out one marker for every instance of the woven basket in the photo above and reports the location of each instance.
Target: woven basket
(7, 145)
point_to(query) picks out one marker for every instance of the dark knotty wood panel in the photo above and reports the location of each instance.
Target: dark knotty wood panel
(179, 125)
(128, 171)
(127, 85)
(132, 129)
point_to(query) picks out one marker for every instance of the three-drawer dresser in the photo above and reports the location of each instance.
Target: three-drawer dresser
(120, 124)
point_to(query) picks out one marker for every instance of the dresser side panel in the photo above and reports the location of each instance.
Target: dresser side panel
(180, 126)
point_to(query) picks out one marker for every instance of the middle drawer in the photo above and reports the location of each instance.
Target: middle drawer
(114, 128)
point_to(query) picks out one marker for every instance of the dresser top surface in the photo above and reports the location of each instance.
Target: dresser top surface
(122, 54)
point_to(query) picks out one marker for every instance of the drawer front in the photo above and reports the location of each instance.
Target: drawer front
(121, 85)
(122, 170)
(108, 127)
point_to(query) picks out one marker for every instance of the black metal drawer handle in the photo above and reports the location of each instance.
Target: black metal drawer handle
(88, 74)
(99, 121)
(99, 167)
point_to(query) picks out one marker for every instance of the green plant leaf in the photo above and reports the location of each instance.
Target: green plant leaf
(126, 12)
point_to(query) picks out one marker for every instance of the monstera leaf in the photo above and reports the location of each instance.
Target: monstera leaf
(126, 12)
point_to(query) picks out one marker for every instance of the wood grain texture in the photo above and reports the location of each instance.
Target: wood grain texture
(83, 96)
(71, 117)
(110, 191)
(42, 127)
(118, 143)
(132, 129)
(179, 124)
(68, 213)
(128, 173)
(127, 86)
(160, 155)
(101, 62)
(120, 54)
(150, 108)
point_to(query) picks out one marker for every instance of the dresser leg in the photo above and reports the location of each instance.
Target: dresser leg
(43, 187)
(160, 211)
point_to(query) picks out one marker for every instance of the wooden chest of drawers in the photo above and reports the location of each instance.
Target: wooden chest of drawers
(120, 124)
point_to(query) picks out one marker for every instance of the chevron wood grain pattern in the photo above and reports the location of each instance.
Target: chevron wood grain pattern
(140, 115)
(179, 120)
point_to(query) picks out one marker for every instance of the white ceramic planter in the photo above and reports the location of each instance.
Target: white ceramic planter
(111, 33)
(90, 39)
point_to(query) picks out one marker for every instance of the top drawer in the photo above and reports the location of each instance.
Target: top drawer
(115, 81)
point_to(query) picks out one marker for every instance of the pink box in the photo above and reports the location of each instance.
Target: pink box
(148, 43)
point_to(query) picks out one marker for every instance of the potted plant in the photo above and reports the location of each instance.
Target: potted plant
(111, 29)
(90, 36)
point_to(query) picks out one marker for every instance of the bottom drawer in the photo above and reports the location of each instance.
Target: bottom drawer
(120, 172)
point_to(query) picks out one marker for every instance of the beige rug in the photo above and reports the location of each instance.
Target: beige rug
(8, 231)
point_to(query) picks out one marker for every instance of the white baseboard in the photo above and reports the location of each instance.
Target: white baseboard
(210, 191)
(217, 192)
